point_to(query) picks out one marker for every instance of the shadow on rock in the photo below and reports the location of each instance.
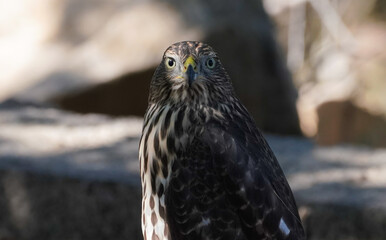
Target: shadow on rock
(126, 95)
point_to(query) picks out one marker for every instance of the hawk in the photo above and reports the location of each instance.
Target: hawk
(206, 170)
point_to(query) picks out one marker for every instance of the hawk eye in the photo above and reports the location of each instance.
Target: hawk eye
(170, 62)
(210, 63)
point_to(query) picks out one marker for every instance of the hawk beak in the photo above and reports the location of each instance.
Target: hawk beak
(190, 68)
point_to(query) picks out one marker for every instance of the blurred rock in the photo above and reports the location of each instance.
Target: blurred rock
(41, 206)
(71, 176)
(125, 95)
(345, 122)
(69, 144)
(67, 176)
(82, 44)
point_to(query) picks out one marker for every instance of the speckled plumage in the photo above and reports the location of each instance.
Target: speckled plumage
(206, 170)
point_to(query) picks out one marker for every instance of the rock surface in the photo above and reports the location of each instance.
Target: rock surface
(343, 121)
(71, 176)
(49, 206)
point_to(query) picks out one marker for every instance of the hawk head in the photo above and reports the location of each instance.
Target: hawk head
(190, 72)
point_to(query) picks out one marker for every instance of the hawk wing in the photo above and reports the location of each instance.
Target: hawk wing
(229, 185)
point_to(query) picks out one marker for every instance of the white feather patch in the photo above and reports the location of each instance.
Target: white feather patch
(283, 227)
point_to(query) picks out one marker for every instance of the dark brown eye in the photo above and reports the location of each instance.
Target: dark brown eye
(170, 62)
(210, 63)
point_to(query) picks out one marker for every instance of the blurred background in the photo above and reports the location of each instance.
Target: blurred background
(74, 85)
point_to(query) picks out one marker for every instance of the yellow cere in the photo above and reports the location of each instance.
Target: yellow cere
(189, 61)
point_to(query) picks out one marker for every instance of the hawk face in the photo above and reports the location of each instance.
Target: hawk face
(190, 72)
